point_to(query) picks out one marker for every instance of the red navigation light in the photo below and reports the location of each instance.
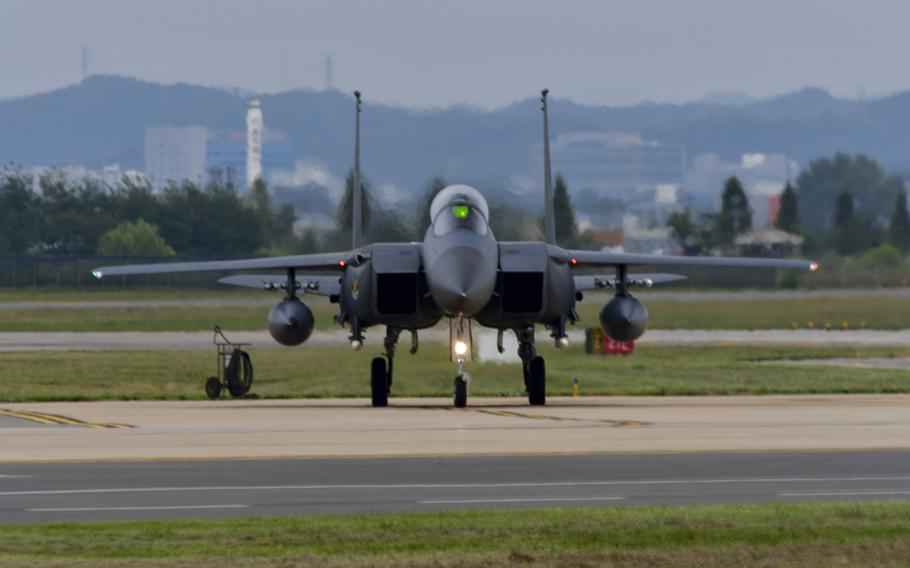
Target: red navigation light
(814, 266)
(573, 262)
(342, 264)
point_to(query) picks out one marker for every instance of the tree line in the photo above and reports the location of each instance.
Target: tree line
(845, 205)
(54, 215)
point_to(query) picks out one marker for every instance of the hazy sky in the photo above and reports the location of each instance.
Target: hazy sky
(488, 53)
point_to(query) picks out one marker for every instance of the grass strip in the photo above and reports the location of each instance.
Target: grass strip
(338, 372)
(806, 534)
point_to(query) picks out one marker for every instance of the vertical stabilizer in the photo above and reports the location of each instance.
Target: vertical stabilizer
(549, 223)
(357, 197)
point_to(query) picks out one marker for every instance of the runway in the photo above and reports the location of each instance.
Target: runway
(202, 340)
(424, 427)
(216, 489)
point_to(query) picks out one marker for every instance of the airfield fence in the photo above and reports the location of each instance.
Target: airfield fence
(75, 271)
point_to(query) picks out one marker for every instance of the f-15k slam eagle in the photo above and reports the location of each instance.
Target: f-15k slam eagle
(460, 272)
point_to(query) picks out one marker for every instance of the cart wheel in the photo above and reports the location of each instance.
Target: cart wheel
(213, 388)
(239, 373)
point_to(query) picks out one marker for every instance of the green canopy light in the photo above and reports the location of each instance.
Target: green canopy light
(461, 211)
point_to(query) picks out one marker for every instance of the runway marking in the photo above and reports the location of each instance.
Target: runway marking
(530, 500)
(154, 508)
(636, 482)
(844, 493)
(56, 419)
(514, 414)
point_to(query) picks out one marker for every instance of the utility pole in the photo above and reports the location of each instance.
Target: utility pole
(329, 71)
(83, 50)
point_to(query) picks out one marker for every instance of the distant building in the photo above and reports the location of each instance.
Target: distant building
(175, 154)
(226, 158)
(618, 164)
(253, 143)
(768, 242)
(763, 177)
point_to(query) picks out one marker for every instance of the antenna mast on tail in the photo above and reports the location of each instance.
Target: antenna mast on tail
(357, 198)
(549, 223)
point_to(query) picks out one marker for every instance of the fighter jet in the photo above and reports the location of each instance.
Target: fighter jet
(460, 272)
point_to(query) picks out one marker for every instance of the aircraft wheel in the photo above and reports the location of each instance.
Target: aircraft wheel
(460, 390)
(213, 388)
(537, 382)
(379, 382)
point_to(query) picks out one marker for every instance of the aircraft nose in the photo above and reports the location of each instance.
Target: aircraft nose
(461, 281)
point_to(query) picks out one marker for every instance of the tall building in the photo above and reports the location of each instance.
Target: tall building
(253, 143)
(175, 154)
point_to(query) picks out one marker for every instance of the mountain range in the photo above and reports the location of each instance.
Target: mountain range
(102, 121)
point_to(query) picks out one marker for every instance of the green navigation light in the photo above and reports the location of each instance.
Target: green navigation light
(461, 211)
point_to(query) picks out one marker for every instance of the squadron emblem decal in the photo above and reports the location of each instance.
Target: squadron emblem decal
(355, 287)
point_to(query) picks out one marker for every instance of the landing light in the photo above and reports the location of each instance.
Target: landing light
(461, 347)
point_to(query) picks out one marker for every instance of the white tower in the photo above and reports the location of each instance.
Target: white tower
(253, 142)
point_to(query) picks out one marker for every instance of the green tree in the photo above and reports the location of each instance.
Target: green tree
(134, 239)
(788, 214)
(344, 214)
(820, 183)
(563, 212)
(900, 224)
(213, 221)
(846, 234)
(686, 231)
(422, 221)
(20, 214)
(735, 216)
(74, 213)
(258, 196)
(843, 214)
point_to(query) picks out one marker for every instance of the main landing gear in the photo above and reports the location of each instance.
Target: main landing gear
(532, 366)
(381, 368)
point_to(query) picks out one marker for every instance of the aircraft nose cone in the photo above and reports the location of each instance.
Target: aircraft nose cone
(461, 282)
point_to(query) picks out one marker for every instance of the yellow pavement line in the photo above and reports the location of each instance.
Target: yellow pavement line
(56, 419)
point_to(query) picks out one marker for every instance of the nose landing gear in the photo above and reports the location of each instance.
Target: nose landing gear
(460, 342)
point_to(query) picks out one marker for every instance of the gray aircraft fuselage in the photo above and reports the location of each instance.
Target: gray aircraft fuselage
(460, 270)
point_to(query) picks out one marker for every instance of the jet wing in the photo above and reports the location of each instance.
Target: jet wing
(327, 261)
(583, 283)
(583, 258)
(316, 285)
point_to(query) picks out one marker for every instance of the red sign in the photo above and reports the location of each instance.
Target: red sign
(613, 347)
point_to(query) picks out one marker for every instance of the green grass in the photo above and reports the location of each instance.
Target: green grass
(811, 534)
(141, 318)
(117, 293)
(337, 372)
(872, 312)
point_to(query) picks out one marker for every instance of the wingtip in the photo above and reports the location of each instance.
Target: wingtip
(814, 266)
(97, 274)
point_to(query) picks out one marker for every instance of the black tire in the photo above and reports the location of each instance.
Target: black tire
(213, 388)
(537, 382)
(239, 373)
(379, 382)
(460, 392)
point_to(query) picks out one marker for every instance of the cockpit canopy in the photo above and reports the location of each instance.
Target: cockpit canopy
(459, 207)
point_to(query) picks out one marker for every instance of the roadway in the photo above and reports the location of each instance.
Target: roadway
(217, 489)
